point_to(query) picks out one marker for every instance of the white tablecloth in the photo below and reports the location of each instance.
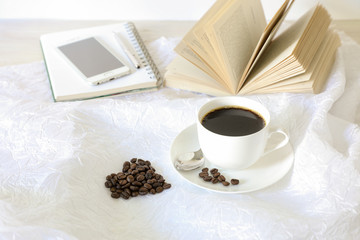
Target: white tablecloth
(54, 158)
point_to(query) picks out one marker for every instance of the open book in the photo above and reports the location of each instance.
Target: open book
(231, 51)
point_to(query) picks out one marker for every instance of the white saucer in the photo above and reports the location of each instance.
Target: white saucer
(265, 172)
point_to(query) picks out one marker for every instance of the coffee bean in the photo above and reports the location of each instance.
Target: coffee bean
(167, 185)
(126, 166)
(115, 195)
(133, 160)
(225, 183)
(159, 189)
(108, 184)
(215, 180)
(130, 178)
(151, 181)
(140, 177)
(234, 181)
(208, 178)
(152, 191)
(134, 188)
(214, 170)
(148, 175)
(126, 185)
(217, 174)
(133, 166)
(136, 183)
(203, 174)
(221, 178)
(134, 194)
(143, 191)
(141, 169)
(124, 195)
(113, 181)
(123, 182)
(127, 190)
(121, 176)
(205, 169)
(148, 186)
(141, 162)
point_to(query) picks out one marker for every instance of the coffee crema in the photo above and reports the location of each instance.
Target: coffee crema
(233, 121)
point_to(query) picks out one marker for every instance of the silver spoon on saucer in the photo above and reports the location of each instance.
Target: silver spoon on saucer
(190, 160)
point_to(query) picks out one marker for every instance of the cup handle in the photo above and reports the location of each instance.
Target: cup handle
(278, 145)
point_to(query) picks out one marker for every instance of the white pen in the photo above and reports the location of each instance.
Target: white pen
(127, 52)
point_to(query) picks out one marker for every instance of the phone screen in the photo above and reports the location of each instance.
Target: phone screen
(90, 57)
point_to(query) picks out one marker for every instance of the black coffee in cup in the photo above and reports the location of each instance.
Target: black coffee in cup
(233, 121)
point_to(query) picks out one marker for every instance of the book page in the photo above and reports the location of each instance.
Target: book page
(313, 35)
(182, 74)
(281, 48)
(197, 48)
(200, 46)
(266, 38)
(202, 38)
(313, 77)
(183, 50)
(234, 33)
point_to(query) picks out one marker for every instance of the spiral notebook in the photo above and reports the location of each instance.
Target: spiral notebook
(67, 85)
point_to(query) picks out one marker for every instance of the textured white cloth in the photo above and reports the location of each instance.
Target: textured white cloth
(54, 158)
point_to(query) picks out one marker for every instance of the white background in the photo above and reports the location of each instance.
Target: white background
(153, 9)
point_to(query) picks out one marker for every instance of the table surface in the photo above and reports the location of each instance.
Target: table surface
(20, 37)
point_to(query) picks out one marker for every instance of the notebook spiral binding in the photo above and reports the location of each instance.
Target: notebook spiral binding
(142, 52)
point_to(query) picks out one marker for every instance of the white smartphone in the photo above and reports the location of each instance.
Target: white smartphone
(93, 60)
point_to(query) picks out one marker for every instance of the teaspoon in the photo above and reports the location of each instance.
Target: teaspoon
(190, 160)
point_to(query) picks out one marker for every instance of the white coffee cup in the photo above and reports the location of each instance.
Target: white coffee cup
(236, 152)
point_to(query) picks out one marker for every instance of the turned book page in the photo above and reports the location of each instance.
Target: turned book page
(235, 27)
(234, 34)
(197, 49)
(193, 78)
(317, 70)
(192, 57)
(266, 38)
(281, 48)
